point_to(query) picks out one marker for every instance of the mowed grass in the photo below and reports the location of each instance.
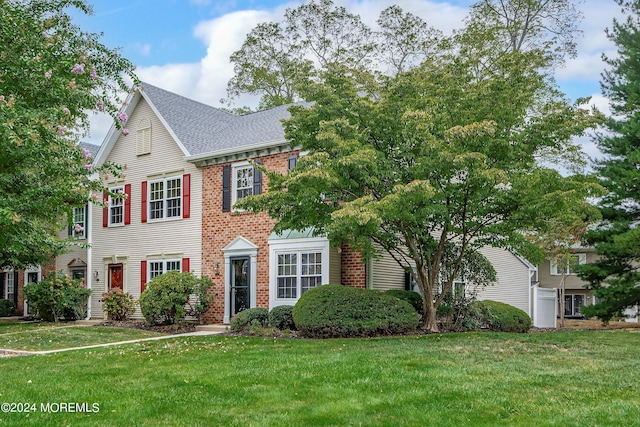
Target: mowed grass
(51, 336)
(477, 379)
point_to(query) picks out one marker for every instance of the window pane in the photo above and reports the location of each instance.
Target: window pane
(309, 282)
(287, 287)
(173, 266)
(244, 182)
(155, 268)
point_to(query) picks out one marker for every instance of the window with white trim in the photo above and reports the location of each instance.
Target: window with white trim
(158, 267)
(242, 181)
(116, 206)
(297, 273)
(569, 265)
(79, 227)
(165, 198)
(11, 286)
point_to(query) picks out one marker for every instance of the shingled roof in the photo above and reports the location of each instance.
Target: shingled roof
(203, 129)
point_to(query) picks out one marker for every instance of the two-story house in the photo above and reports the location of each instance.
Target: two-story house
(186, 164)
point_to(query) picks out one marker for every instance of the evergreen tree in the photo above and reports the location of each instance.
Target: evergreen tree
(615, 278)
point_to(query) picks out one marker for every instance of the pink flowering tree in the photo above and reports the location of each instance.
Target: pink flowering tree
(53, 75)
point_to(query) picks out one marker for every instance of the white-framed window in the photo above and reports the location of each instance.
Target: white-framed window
(143, 137)
(79, 226)
(569, 265)
(242, 179)
(116, 206)
(296, 264)
(165, 198)
(161, 266)
(297, 273)
(11, 286)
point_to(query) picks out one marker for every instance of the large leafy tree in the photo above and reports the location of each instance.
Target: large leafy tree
(431, 165)
(277, 58)
(615, 278)
(52, 75)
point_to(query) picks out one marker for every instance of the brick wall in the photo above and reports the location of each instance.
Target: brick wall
(353, 270)
(221, 228)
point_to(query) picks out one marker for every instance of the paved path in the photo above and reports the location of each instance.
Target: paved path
(9, 352)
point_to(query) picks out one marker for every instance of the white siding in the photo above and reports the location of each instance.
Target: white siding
(512, 285)
(130, 244)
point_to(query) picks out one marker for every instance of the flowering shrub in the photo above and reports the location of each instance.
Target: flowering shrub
(118, 305)
(172, 296)
(57, 296)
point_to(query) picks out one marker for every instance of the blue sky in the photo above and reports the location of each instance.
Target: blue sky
(184, 45)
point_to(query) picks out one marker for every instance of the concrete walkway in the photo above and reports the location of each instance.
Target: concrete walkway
(201, 330)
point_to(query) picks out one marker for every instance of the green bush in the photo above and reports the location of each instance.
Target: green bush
(57, 296)
(281, 317)
(250, 318)
(118, 305)
(341, 311)
(172, 296)
(7, 307)
(498, 316)
(413, 298)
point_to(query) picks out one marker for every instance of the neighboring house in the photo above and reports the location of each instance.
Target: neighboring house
(73, 262)
(575, 295)
(186, 164)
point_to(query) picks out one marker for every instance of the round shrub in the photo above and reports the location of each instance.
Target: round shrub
(172, 296)
(56, 297)
(340, 311)
(501, 317)
(118, 305)
(281, 317)
(7, 307)
(413, 298)
(251, 317)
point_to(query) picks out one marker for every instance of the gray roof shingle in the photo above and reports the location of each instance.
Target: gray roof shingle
(203, 129)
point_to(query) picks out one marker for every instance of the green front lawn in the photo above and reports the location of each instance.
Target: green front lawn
(480, 379)
(51, 336)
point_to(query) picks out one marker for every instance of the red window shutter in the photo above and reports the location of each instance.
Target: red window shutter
(105, 210)
(127, 204)
(186, 267)
(143, 275)
(144, 201)
(186, 195)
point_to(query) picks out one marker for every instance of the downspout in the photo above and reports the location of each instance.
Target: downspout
(89, 275)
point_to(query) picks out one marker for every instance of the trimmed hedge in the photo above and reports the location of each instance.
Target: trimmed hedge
(330, 311)
(501, 317)
(7, 307)
(413, 298)
(281, 317)
(249, 318)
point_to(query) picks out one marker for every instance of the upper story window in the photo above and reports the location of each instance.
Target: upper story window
(239, 181)
(569, 266)
(165, 198)
(116, 206)
(143, 137)
(242, 181)
(79, 227)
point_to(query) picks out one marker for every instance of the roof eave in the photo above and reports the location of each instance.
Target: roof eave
(240, 153)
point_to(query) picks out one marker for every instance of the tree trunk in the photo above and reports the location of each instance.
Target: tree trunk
(429, 314)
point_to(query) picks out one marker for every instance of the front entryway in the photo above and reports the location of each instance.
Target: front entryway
(116, 278)
(240, 284)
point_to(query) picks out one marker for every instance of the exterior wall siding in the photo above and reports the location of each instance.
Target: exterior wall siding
(512, 284)
(137, 241)
(573, 282)
(354, 270)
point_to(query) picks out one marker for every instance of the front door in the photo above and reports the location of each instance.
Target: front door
(115, 276)
(240, 285)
